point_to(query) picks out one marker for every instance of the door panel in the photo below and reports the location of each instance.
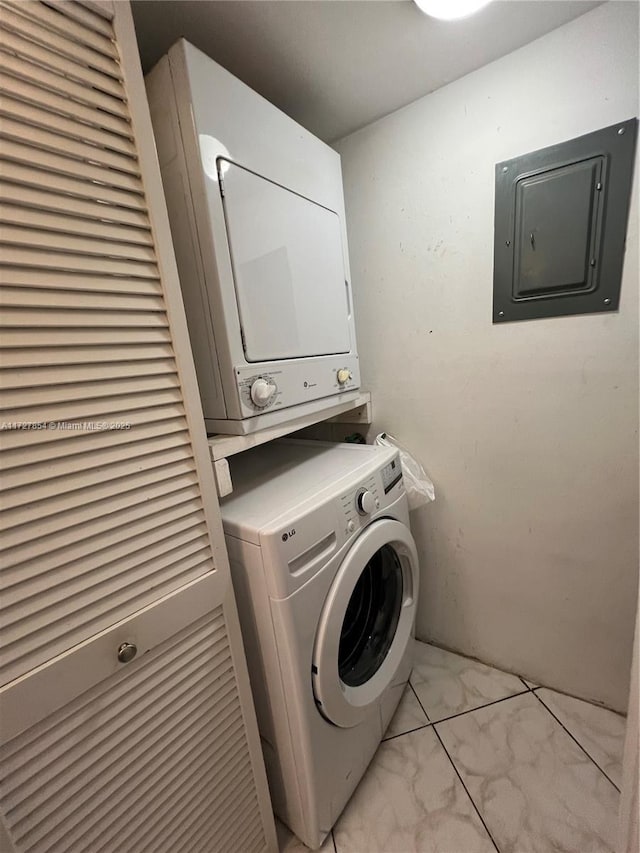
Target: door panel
(111, 531)
(288, 269)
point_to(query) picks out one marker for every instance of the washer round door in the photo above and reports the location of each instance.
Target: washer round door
(366, 623)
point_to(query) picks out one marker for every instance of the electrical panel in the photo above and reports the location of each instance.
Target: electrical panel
(560, 226)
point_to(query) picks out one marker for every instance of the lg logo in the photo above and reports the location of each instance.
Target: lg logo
(288, 534)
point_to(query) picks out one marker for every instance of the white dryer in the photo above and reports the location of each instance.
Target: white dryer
(326, 578)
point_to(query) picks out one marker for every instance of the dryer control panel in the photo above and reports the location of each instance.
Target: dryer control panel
(261, 390)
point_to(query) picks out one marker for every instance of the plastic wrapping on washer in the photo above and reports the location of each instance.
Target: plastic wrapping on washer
(420, 489)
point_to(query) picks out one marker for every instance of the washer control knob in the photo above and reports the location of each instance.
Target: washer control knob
(343, 376)
(365, 502)
(262, 392)
(351, 525)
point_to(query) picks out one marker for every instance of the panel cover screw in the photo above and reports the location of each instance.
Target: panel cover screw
(507, 242)
(500, 313)
(620, 131)
(506, 168)
(607, 302)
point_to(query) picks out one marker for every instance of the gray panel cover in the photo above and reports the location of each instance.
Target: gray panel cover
(560, 226)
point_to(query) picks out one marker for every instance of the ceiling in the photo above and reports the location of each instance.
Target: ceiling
(337, 65)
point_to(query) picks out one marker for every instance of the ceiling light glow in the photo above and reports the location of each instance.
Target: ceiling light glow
(450, 10)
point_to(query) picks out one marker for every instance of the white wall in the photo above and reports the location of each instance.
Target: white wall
(529, 430)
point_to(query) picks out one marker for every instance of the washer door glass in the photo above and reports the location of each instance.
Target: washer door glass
(371, 619)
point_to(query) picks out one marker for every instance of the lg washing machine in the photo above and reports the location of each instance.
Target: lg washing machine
(326, 578)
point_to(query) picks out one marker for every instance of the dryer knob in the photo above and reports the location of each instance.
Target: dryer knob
(261, 392)
(343, 376)
(365, 502)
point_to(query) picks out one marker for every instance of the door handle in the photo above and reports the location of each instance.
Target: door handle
(127, 652)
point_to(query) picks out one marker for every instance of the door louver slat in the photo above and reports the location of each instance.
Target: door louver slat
(99, 39)
(99, 502)
(16, 39)
(28, 67)
(90, 538)
(69, 300)
(57, 469)
(63, 318)
(20, 236)
(57, 183)
(73, 485)
(21, 90)
(69, 128)
(132, 533)
(62, 41)
(90, 19)
(57, 223)
(60, 280)
(67, 147)
(93, 212)
(17, 439)
(59, 169)
(164, 423)
(39, 259)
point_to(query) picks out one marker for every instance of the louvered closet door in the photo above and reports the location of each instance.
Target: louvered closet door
(110, 528)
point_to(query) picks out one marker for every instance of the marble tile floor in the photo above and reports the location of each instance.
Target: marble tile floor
(478, 760)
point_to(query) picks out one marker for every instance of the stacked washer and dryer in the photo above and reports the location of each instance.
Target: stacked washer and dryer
(323, 563)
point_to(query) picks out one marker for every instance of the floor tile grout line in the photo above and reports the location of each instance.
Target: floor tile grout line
(455, 770)
(590, 757)
(473, 803)
(424, 710)
(408, 732)
(417, 728)
(477, 708)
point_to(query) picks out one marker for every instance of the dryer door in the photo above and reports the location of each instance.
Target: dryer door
(366, 622)
(288, 269)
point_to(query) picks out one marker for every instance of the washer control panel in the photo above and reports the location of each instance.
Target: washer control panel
(391, 474)
(357, 505)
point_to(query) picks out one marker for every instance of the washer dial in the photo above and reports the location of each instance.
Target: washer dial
(365, 502)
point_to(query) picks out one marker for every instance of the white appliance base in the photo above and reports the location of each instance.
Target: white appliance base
(281, 416)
